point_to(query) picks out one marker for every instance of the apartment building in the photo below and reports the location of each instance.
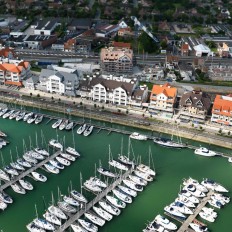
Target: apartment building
(162, 100)
(222, 110)
(117, 60)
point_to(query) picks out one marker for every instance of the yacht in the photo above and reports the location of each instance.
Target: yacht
(146, 169)
(102, 213)
(78, 196)
(72, 151)
(116, 202)
(198, 228)
(20, 116)
(41, 151)
(77, 228)
(98, 182)
(128, 191)
(63, 161)
(39, 177)
(132, 185)
(215, 203)
(221, 197)
(81, 129)
(3, 205)
(88, 131)
(4, 176)
(95, 219)
(189, 196)
(122, 196)
(194, 182)
(42, 223)
(69, 126)
(230, 159)
(194, 191)
(67, 156)
(11, 171)
(57, 123)
(36, 155)
(23, 163)
(28, 115)
(56, 164)
(168, 143)
(25, 184)
(14, 115)
(206, 216)
(107, 172)
(154, 227)
(54, 143)
(57, 212)
(2, 134)
(109, 208)
(39, 119)
(209, 211)
(181, 207)
(165, 222)
(32, 227)
(138, 136)
(18, 189)
(63, 124)
(211, 184)
(51, 168)
(174, 212)
(183, 199)
(143, 175)
(204, 152)
(2, 112)
(89, 185)
(138, 180)
(8, 114)
(124, 159)
(32, 119)
(66, 207)
(30, 159)
(5, 198)
(52, 218)
(118, 165)
(71, 201)
(88, 225)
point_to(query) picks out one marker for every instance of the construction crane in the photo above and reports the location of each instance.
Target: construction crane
(138, 23)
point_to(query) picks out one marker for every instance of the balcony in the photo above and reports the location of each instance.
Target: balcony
(200, 115)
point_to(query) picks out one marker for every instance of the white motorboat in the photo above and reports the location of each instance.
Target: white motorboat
(2, 142)
(8, 114)
(20, 116)
(39, 177)
(4, 176)
(67, 156)
(128, 191)
(18, 189)
(2, 134)
(118, 165)
(116, 202)
(196, 184)
(146, 169)
(181, 207)
(209, 211)
(189, 196)
(215, 203)
(107, 172)
(42, 223)
(183, 199)
(173, 211)
(32, 119)
(25, 118)
(88, 225)
(35, 155)
(57, 123)
(89, 185)
(57, 212)
(230, 159)
(132, 185)
(138, 136)
(102, 213)
(63, 124)
(109, 208)
(220, 197)
(165, 222)
(66, 207)
(72, 151)
(30, 159)
(154, 227)
(143, 175)
(51, 168)
(5, 198)
(95, 219)
(25, 184)
(204, 152)
(11, 171)
(194, 191)
(198, 228)
(206, 216)
(39, 119)
(98, 182)
(168, 143)
(3, 205)
(3, 111)
(77, 228)
(211, 184)
(124, 159)
(78, 196)
(41, 151)
(14, 115)
(23, 163)
(54, 143)
(56, 164)
(81, 129)
(122, 196)
(138, 180)
(32, 227)
(88, 131)
(52, 218)
(63, 161)
(69, 126)
(71, 201)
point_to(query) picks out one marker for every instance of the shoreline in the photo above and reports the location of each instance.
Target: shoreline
(188, 133)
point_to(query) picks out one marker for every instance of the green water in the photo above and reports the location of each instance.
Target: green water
(171, 167)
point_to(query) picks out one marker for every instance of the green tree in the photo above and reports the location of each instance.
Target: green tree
(146, 44)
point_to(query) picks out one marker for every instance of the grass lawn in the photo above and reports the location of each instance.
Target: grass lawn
(148, 84)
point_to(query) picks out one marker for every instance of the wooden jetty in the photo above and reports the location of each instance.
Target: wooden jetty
(89, 205)
(27, 172)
